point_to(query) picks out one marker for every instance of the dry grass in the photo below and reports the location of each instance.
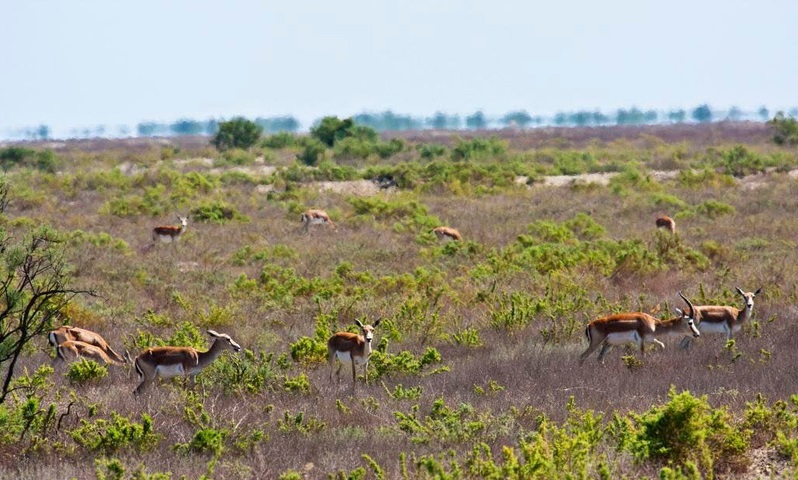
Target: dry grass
(184, 282)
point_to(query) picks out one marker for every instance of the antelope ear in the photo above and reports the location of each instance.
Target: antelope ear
(679, 311)
(758, 291)
(377, 322)
(357, 322)
(213, 334)
(740, 291)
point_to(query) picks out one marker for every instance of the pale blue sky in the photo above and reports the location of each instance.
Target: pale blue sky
(74, 64)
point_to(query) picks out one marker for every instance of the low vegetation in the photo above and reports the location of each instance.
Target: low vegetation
(474, 371)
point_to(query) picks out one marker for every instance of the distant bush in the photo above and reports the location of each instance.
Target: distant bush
(237, 133)
(479, 149)
(429, 151)
(785, 129)
(216, 212)
(739, 162)
(236, 157)
(331, 130)
(44, 160)
(313, 152)
(280, 140)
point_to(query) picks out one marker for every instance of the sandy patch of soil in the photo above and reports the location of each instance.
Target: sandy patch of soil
(358, 188)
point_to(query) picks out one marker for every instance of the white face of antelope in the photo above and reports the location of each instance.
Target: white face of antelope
(690, 322)
(368, 333)
(368, 330)
(748, 297)
(230, 342)
(183, 221)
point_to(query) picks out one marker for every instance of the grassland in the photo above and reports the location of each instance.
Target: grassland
(475, 373)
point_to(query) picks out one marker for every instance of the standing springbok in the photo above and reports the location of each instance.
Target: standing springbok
(447, 233)
(168, 362)
(72, 350)
(667, 223)
(170, 233)
(351, 348)
(721, 319)
(635, 327)
(66, 333)
(315, 217)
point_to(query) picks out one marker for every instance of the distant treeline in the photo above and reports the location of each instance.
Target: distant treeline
(390, 121)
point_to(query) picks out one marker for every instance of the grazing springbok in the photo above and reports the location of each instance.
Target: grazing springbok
(351, 348)
(447, 233)
(635, 327)
(168, 362)
(170, 233)
(315, 217)
(66, 333)
(721, 319)
(667, 223)
(73, 350)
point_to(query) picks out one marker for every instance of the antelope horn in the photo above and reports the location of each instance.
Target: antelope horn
(692, 309)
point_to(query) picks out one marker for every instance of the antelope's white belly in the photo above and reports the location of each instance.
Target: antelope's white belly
(317, 221)
(621, 338)
(169, 371)
(714, 327)
(345, 358)
(166, 238)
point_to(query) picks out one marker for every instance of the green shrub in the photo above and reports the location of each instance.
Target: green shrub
(205, 440)
(714, 209)
(280, 140)
(688, 429)
(785, 129)
(429, 151)
(739, 162)
(246, 372)
(236, 157)
(313, 152)
(216, 211)
(479, 149)
(86, 370)
(237, 133)
(109, 436)
(309, 351)
(401, 363)
(298, 384)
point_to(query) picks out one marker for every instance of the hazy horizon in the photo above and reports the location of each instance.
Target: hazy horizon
(73, 66)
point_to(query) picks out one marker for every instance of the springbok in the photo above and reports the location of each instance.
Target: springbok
(667, 223)
(315, 217)
(635, 327)
(721, 319)
(352, 348)
(170, 233)
(168, 362)
(71, 350)
(75, 334)
(447, 233)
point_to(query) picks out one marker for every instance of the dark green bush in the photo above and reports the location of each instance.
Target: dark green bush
(785, 129)
(237, 133)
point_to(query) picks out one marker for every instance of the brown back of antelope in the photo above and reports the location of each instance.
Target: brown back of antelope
(667, 223)
(76, 334)
(167, 362)
(723, 318)
(447, 233)
(315, 217)
(71, 350)
(170, 233)
(637, 327)
(352, 348)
